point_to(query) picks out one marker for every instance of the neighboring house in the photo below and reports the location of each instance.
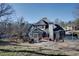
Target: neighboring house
(69, 27)
(72, 27)
(44, 29)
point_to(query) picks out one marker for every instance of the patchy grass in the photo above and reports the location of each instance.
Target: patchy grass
(26, 51)
(39, 49)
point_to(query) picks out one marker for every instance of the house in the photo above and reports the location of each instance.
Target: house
(44, 29)
(69, 28)
(72, 27)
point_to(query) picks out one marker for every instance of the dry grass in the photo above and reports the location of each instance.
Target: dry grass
(38, 49)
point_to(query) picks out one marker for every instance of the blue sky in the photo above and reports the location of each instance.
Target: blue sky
(34, 12)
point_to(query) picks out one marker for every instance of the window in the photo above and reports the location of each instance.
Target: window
(35, 35)
(42, 27)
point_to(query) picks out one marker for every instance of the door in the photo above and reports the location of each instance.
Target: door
(36, 37)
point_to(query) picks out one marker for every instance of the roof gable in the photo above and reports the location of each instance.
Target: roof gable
(43, 21)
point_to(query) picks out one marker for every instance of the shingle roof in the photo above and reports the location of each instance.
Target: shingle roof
(43, 21)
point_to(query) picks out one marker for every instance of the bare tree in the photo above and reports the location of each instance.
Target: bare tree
(57, 21)
(5, 9)
(21, 28)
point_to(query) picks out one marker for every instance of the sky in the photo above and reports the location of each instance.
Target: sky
(33, 12)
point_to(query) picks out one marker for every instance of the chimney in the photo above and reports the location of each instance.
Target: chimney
(50, 30)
